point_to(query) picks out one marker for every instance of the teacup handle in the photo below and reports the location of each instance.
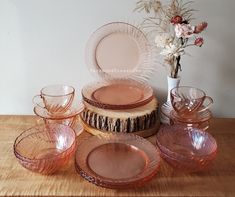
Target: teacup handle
(35, 100)
(208, 105)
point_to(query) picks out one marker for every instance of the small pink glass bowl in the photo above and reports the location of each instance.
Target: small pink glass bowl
(45, 148)
(188, 149)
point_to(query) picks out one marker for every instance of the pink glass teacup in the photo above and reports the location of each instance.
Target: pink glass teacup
(188, 100)
(55, 98)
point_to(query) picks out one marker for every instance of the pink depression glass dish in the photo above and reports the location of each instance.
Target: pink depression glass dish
(187, 100)
(200, 120)
(117, 161)
(188, 165)
(188, 149)
(201, 125)
(76, 108)
(73, 122)
(56, 99)
(45, 148)
(117, 94)
(197, 117)
(120, 50)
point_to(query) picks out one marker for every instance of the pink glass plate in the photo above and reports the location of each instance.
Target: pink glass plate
(117, 160)
(76, 108)
(45, 148)
(197, 117)
(117, 94)
(185, 143)
(119, 50)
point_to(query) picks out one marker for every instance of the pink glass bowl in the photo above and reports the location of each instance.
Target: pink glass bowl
(188, 165)
(45, 148)
(188, 149)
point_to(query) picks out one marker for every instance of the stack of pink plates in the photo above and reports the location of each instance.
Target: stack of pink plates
(187, 149)
(117, 160)
(117, 94)
(122, 57)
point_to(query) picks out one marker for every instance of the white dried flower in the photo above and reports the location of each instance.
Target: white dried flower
(157, 5)
(172, 50)
(162, 40)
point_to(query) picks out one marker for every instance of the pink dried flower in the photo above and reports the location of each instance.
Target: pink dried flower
(199, 42)
(200, 27)
(177, 20)
(184, 30)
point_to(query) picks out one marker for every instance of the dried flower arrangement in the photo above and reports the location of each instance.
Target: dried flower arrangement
(173, 32)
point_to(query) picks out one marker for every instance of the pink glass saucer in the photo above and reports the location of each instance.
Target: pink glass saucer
(76, 108)
(197, 117)
(117, 94)
(117, 160)
(199, 125)
(73, 122)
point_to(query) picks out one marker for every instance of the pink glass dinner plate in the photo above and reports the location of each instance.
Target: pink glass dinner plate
(117, 160)
(76, 108)
(117, 94)
(119, 50)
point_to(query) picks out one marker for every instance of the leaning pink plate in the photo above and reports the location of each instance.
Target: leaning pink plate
(120, 50)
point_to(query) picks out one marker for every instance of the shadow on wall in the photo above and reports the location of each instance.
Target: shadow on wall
(161, 95)
(224, 86)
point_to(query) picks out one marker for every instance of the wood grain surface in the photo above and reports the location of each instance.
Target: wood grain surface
(144, 133)
(129, 120)
(17, 181)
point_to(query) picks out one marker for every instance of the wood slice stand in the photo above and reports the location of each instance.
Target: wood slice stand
(144, 133)
(141, 119)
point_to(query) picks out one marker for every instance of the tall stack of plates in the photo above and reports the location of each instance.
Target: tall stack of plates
(121, 100)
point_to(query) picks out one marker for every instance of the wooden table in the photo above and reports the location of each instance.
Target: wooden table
(17, 181)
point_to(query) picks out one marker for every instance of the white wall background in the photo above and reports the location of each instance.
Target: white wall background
(42, 42)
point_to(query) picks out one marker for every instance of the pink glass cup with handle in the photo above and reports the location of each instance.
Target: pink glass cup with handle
(188, 100)
(55, 98)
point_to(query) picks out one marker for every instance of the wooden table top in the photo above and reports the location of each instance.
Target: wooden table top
(17, 181)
